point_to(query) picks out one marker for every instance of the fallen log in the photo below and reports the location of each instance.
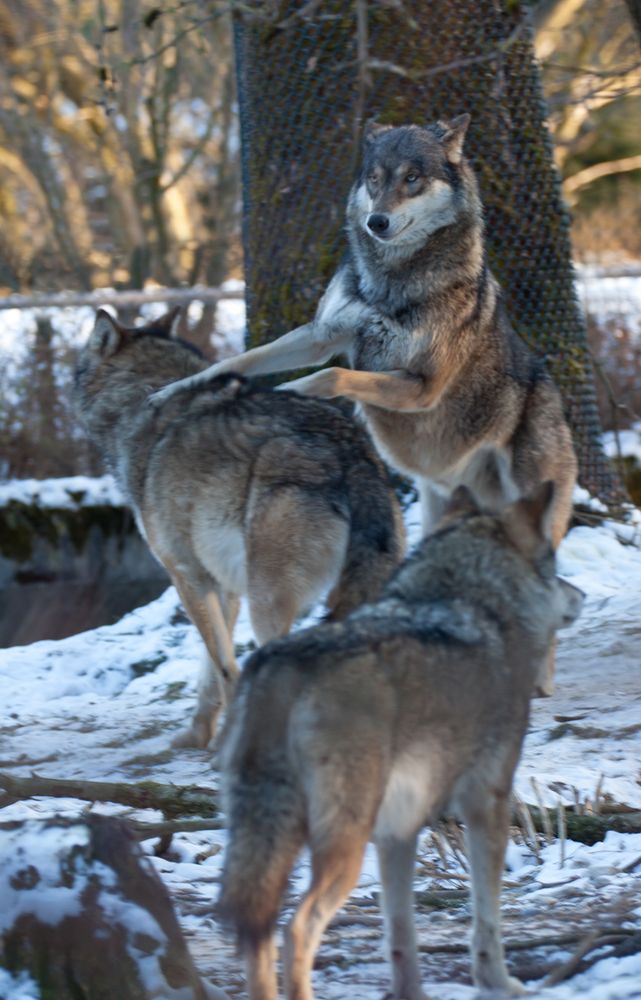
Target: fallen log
(173, 801)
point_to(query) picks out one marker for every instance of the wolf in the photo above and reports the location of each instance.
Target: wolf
(435, 366)
(239, 490)
(414, 706)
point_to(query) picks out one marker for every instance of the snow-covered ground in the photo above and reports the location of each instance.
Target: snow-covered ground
(105, 704)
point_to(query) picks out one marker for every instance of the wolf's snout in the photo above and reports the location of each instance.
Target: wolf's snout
(378, 223)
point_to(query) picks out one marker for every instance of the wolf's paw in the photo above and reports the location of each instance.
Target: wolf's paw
(162, 396)
(407, 996)
(513, 988)
(197, 736)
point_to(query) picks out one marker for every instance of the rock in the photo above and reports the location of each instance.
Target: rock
(85, 915)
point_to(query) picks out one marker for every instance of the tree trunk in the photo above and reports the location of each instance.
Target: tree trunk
(305, 89)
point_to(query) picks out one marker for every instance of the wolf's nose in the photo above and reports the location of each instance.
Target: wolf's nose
(378, 223)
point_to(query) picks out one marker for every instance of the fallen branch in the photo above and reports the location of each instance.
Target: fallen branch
(590, 828)
(172, 800)
(625, 942)
(623, 936)
(168, 827)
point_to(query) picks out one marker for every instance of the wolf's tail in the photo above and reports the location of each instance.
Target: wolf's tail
(266, 832)
(376, 540)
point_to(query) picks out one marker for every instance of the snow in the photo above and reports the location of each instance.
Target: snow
(627, 442)
(105, 704)
(51, 846)
(70, 491)
(21, 987)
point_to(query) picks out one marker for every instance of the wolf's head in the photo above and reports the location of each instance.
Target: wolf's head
(492, 548)
(414, 181)
(118, 363)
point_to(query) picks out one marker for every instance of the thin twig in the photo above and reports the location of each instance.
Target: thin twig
(548, 829)
(562, 828)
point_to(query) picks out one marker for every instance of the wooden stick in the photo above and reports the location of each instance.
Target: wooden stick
(135, 297)
(172, 800)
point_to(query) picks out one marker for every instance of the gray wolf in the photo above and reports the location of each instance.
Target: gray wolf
(435, 367)
(413, 706)
(239, 490)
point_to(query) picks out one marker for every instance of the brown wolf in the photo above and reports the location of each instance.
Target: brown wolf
(239, 490)
(414, 705)
(435, 365)
(437, 368)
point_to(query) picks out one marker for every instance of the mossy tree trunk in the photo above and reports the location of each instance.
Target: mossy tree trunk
(305, 89)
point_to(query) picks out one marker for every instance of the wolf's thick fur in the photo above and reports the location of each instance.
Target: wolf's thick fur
(437, 368)
(239, 490)
(414, 705)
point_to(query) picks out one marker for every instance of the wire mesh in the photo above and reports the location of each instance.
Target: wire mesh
(307, 84)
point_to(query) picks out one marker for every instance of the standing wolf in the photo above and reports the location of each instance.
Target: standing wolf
(435, 365)
(414, 705)
(238, 490)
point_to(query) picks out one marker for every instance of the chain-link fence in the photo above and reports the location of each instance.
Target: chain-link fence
(311, 74)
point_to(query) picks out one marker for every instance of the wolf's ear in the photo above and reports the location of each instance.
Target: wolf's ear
(462, 501)
(490, 476)
(107, 334)
(454, 136)
(529, 520)
(168, 324)
(372, 131)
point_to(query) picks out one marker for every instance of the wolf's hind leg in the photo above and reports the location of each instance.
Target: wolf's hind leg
(396, 860)
(296, 549)
(260, 969)
(335, 870)
(486, 815)
(202, 603)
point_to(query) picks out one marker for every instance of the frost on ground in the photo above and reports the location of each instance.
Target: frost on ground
(104, 705)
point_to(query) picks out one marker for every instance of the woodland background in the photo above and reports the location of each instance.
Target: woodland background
(119, 168)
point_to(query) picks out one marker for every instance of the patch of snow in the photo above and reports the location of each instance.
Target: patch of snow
(37, 852)
(68, 491)
(20, 987)
(626, 442)
(105, 705)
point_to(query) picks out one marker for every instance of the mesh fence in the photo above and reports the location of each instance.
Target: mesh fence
(306, 85)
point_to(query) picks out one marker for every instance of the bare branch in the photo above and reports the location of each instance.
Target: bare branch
(172, 800)
(590, 174)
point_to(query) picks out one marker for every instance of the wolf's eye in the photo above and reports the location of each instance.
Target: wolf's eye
(372, 178)
(411, 177)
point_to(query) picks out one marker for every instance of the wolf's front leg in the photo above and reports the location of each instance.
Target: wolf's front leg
(486, 816)
(311, 344)
(396, 860)
(393, 390)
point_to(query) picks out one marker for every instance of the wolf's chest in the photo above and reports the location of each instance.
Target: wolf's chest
(382, 346)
